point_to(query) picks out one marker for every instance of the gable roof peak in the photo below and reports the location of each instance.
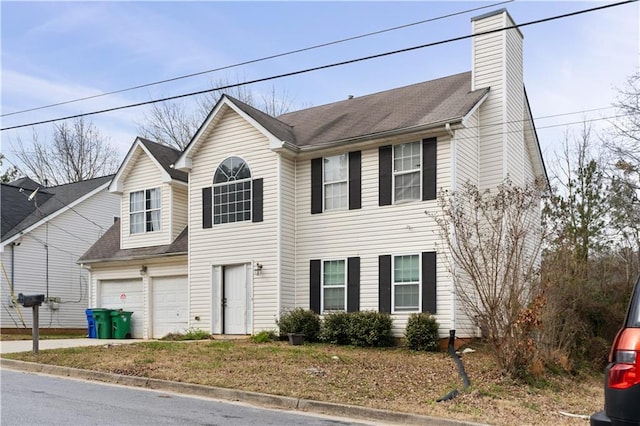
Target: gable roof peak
(162, 155)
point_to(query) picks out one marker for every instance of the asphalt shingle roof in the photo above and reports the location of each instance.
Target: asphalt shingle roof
(421, 104)
(17, 215)
(436, 101)
(107, 248)
(166, 156)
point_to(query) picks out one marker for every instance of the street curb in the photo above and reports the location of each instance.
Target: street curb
(254, 398)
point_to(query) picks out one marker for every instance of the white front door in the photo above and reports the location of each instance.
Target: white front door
(169, 306)
(237, 299)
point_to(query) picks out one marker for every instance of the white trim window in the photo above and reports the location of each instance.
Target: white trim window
(145, 211)
(335, 181)
(407, 172)
(406, 283)
(232, 191)
(334, 285)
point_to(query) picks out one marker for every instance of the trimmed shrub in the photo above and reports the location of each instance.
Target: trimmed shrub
(422, 333)
(335, 328)
(300, 321)
(370, 328)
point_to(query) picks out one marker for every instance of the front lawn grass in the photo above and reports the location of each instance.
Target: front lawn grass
(393, 378)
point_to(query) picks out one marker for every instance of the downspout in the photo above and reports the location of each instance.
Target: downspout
(13, 268)
(279, 238)
(89, 283)
(454, 186)
(46, 247)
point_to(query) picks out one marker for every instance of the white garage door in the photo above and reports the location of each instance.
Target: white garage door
(169, 306)
(125, 295)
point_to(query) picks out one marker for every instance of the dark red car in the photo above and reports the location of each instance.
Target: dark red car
(622, 376)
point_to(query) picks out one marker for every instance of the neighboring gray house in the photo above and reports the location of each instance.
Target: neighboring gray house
(322, 208)
(44, 231)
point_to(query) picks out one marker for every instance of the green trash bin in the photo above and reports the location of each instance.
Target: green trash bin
(102, 318)
(121, 321)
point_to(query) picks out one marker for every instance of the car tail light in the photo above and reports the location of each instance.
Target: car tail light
(624, 373)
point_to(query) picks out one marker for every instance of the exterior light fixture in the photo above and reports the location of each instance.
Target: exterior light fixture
(258, 268)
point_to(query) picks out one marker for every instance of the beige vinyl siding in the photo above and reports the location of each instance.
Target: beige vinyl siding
(532, 152)
(234, 243)
(287, 234)
(372, 231)
(160, 267)
(68, 236)
(179, 205)
(516, 148)
(145, 174)
(466, 155)
(488, 71)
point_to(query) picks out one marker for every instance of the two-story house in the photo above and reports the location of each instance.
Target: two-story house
(322, 208)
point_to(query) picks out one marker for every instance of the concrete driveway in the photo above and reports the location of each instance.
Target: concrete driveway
(11, 346)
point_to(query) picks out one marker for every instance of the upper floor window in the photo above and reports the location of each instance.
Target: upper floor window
(145, 210)
(406, 172)
(335, 181)
(232, 191)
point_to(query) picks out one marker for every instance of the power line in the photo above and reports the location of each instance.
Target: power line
(321, 67)
(265, 58)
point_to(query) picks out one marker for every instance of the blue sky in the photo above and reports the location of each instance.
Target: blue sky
(58, 51)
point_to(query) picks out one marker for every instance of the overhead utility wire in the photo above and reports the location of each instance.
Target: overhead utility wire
(253, 61)
(321, 67)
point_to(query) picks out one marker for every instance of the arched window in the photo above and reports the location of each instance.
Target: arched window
(232, 191)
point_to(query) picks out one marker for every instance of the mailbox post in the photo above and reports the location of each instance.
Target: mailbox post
(33, 301)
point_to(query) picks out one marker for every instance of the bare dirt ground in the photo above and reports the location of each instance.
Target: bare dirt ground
(394, 379)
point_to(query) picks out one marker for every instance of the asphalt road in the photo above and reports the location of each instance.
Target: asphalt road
(36, 399)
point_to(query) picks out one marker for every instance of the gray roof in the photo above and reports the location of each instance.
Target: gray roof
(437, 101)
(107, 248)
(279, 129)
(18, 213)
(166, 156)
(421, 104)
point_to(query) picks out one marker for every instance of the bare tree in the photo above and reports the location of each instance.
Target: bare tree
(77, 151)
(624, 148)
(174, 123)
(625, 144)
(10, 173)
(493, 243)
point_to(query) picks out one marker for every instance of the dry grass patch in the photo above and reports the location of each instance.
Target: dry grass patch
(394, 379)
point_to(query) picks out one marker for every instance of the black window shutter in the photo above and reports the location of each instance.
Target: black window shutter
(353, 284)
(257, 200)
(384, 283)
(355, 172)
(206, 207)
(385, 175)
(316, 185)
(429, 171)
(429, 282)
(314, 286)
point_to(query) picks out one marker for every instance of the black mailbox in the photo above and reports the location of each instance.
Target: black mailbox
(30, 300)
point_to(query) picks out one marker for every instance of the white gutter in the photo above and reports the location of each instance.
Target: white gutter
(365, 138)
